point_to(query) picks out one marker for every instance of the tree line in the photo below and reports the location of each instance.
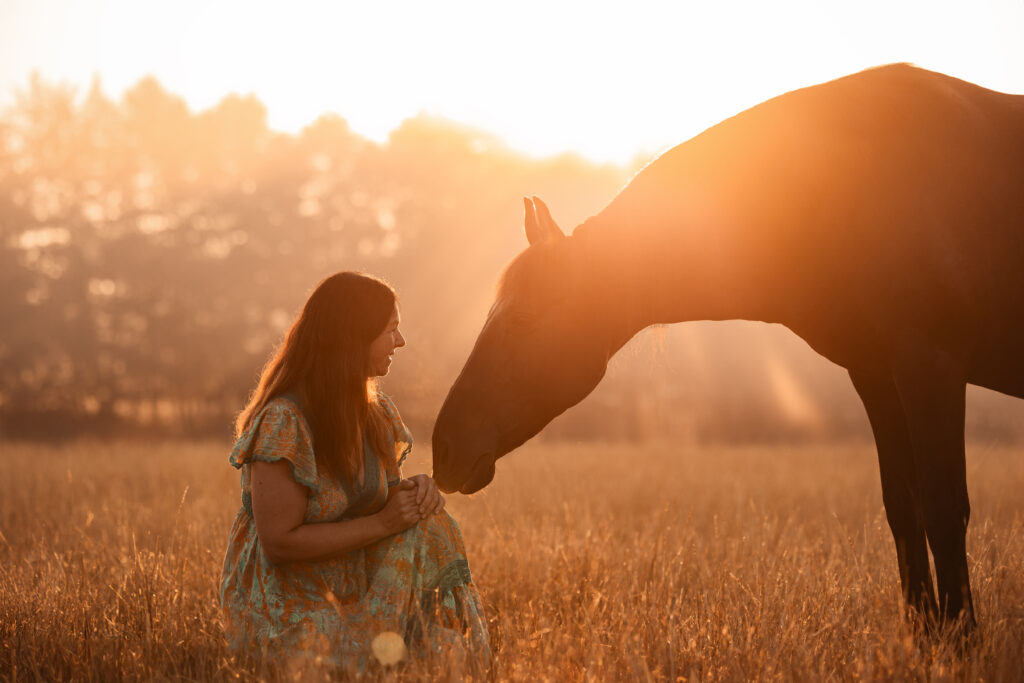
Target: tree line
(151, 257)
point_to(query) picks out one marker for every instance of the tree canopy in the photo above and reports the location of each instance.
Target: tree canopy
(152, 256)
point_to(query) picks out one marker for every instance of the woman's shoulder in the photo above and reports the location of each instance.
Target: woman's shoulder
(280, 415)
(285, 405)
(278, 430)
(282, 406)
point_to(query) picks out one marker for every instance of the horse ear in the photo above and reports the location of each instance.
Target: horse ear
(533, 234)
(540, 226)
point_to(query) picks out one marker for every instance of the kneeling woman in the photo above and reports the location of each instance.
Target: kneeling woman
(332, 547)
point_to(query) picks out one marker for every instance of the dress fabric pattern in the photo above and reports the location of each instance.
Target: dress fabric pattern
(415, 583)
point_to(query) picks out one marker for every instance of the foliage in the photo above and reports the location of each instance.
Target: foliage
(151, 256)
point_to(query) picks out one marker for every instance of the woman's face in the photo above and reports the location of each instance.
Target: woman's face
(382, 348)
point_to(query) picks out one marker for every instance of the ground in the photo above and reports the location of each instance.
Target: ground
(595, 562)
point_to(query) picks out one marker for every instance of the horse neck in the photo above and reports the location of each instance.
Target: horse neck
(664, 271)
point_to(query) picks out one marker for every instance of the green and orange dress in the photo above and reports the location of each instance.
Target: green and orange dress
(416, 583)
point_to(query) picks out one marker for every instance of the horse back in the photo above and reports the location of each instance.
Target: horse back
(886, 199)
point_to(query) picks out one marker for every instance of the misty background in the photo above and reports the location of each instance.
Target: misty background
(151, 257)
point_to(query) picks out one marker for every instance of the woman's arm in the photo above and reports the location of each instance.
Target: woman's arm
(279, 506)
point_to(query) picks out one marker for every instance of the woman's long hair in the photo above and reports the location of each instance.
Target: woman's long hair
(324, 360)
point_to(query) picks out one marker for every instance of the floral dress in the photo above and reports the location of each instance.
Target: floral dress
(415, 584)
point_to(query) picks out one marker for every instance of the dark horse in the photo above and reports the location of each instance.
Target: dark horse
(879, 216)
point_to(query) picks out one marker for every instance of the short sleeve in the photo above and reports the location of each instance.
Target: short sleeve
(401, 437)
(279, 432)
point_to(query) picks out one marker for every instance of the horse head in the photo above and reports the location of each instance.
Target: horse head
(542, 349)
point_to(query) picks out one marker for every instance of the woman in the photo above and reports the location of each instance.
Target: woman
(332, 547)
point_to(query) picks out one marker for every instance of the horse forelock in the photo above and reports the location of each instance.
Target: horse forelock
(536, 271)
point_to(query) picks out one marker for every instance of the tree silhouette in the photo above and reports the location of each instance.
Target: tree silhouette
(151, 256)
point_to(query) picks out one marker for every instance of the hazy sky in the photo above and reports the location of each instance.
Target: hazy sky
(610, 80)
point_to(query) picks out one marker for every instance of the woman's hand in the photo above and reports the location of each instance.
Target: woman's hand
(429, 500)
(401, 510)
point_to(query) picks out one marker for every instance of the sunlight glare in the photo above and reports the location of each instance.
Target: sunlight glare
(596, 79)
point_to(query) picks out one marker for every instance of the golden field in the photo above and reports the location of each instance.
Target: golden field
(595, 562)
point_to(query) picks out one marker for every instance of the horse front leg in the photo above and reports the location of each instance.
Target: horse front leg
(932, 391)
(899, 487)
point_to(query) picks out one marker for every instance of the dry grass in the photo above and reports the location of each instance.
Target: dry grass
(595, 563)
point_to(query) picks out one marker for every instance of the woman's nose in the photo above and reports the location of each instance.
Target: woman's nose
(399, 340)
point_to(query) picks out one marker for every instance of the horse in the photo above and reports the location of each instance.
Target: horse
(879, 216)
